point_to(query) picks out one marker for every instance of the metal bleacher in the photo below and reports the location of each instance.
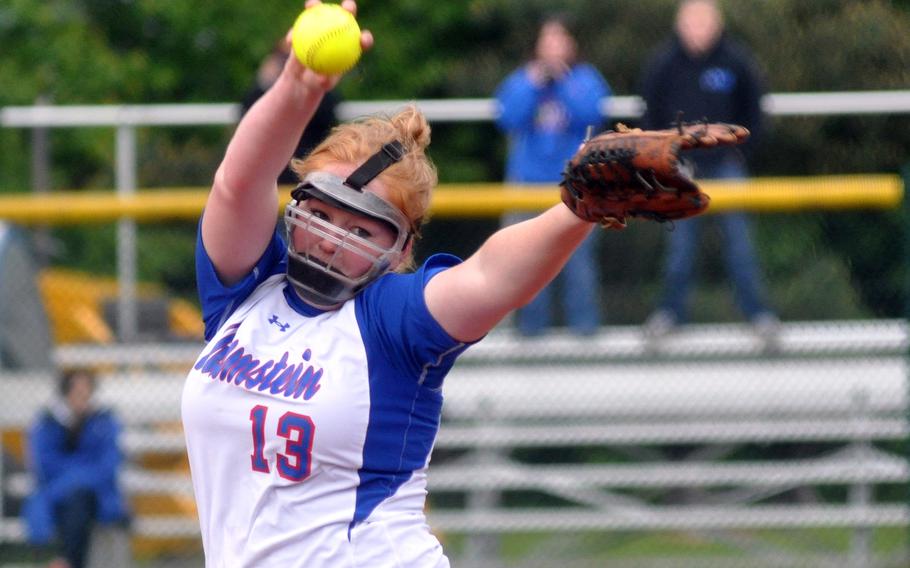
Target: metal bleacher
(840, 386)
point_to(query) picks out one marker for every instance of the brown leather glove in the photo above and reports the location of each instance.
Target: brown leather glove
(629, 172)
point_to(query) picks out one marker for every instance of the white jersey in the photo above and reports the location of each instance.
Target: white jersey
(309, 432)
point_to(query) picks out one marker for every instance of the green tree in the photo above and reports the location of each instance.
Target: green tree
(148, 51)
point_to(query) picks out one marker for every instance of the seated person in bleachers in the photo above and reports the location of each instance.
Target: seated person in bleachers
(75, 460)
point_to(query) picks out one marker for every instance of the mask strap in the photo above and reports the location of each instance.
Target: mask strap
(299, 194)
(375, 165)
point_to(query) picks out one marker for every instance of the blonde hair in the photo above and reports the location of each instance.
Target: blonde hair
(410, 181)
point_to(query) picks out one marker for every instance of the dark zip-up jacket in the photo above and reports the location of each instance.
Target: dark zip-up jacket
(724, 85)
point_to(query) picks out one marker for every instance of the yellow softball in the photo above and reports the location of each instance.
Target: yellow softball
(326, 38)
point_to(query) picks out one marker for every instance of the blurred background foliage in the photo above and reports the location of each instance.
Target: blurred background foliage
(147, 51)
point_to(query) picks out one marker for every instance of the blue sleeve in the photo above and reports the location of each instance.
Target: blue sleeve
(517, 99)
(751, 90)
(398, 328)
(45, 443)
(101, 451)
(581, 93)
(219, 301)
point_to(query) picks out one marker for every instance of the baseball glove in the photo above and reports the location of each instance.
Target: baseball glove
(629, 172)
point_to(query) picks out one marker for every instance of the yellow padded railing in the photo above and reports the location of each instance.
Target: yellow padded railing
(875, 191)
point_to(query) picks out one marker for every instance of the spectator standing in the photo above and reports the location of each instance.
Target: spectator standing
(546, 107)
(703, 74)
(318, 128)
(75, 460)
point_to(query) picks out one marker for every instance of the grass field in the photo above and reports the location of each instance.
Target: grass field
(809, 547)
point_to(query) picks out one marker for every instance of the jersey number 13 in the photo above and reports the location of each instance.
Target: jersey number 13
(298, 430)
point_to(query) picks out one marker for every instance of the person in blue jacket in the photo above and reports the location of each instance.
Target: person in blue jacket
(75, 460)
(546, 108)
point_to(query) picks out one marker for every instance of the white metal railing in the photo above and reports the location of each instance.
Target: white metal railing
(440, 110)
(127, 118)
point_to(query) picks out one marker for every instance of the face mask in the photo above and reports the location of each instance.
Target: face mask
(320, 281)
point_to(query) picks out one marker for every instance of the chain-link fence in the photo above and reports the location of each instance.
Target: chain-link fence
(717, 444)
(713, 445)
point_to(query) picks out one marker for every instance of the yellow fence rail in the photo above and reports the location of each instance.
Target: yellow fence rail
(785, 194)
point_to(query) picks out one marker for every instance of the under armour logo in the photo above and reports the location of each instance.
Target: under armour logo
(281, 326)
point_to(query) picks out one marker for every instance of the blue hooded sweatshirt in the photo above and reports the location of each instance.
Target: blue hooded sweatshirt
(546, 124)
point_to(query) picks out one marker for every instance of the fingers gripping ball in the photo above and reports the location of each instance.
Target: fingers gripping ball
(326, 38)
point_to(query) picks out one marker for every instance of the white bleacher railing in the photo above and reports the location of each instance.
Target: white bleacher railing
(439, 110)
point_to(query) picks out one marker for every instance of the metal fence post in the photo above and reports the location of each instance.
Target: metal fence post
(41, 160)
(127, 324)
(41, 179)
(905, 217)
(482, 549)
(860, 493)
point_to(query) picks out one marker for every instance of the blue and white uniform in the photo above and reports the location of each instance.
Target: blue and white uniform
(308, 431)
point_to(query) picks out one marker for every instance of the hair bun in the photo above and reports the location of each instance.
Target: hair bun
(413, 128)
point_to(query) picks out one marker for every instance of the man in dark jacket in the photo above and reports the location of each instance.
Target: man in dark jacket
(703, 74)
